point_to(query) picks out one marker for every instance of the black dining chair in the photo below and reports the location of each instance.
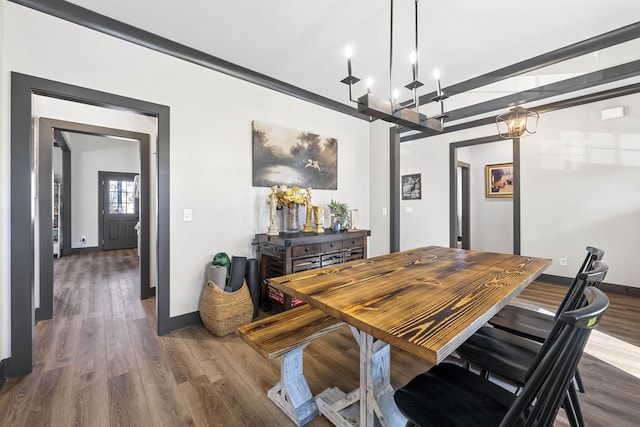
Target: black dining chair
(513, 357)
(536, 325)
(449, 395)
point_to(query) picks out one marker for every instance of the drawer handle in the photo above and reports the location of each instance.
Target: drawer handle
(331, 245)
(306, 249)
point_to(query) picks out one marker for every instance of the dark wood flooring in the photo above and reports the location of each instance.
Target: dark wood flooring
(99, 361)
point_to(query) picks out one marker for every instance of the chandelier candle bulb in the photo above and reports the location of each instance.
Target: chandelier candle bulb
(369, 84)
(413, 58)
(436, 75)
(348, 52)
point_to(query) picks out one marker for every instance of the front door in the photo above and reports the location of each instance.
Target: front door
(119, 211)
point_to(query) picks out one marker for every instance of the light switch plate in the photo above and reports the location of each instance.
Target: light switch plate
(188, 215)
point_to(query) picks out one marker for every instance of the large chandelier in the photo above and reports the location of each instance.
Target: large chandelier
(391, 110)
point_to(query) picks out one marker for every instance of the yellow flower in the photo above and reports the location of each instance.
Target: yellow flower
(291, 196)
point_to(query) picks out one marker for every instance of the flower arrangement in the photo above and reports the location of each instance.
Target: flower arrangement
(291, 196)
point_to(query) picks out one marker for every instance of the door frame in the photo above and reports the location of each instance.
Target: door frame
(464, 187)
(453, 186)
(23, 166)
(101, 207)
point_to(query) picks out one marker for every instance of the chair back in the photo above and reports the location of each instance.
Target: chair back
(593, 254)
(577, 300)
(592, 277)
(546, 388)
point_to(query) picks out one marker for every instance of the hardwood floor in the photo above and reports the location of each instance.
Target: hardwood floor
(99, 362)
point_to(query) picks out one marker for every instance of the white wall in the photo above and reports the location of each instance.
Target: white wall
(581, 186)
(89, 155)
(379, 156)
(426, 221)
(210, 134)
(491, 218)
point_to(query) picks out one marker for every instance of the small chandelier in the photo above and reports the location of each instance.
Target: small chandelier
(517, 123)
(391, 110)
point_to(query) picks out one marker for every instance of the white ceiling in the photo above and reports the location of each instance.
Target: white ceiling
(302, 42)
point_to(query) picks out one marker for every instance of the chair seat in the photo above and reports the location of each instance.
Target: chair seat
(524, 322)
(449, 395)
(500, 353)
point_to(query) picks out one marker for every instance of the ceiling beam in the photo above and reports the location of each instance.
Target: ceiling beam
(87, 18)
(90, 19)
(546, 108)
(611, 38)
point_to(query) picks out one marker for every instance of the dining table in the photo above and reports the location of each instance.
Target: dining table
(426, 301)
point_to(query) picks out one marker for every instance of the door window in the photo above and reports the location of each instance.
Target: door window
(121, 199)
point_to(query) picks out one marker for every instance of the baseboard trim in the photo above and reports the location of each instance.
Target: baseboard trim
(86, 250)
(606, 287)
(183, 321)
(40, 316)
(3, 372)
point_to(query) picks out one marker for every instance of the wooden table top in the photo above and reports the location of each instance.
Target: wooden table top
(426, 301)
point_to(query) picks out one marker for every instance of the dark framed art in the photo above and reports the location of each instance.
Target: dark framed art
(412, 187)
(293, 158)
(499, 180)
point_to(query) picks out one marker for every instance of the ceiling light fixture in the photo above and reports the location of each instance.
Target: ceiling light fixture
(391, 110)
(517, 123)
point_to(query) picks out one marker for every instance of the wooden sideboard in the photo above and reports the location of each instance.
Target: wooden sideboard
(291, 253)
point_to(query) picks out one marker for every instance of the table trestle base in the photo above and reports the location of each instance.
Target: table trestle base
(292, 394)
(342, 409)
(378, 408)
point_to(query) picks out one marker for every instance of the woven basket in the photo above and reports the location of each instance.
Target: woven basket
(223, 312)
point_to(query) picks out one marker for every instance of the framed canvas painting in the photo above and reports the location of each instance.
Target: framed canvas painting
(412, 187)
(293, 158)
(499, 180)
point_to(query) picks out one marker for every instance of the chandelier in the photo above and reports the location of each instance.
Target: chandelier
(390, 110)
(517, 123)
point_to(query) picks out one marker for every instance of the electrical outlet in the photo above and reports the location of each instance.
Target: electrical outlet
(563, 260)
(83, 239)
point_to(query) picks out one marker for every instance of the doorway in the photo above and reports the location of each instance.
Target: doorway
(27, 172)
(512, 229)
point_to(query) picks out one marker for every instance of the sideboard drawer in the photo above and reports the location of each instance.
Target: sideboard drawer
(354, 242)
(297, 251)
(306, 263)
(332, 246)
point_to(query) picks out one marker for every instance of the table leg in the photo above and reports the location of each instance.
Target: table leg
(372, 404)
(292, 394)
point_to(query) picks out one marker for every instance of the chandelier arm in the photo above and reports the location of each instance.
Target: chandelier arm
(392, 110)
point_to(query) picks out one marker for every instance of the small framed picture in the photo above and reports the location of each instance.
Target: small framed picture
(499, 180)
(412, 187)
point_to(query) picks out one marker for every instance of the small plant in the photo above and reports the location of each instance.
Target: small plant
(340, 211)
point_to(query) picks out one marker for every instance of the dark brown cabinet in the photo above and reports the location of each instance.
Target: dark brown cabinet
(291, 253)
